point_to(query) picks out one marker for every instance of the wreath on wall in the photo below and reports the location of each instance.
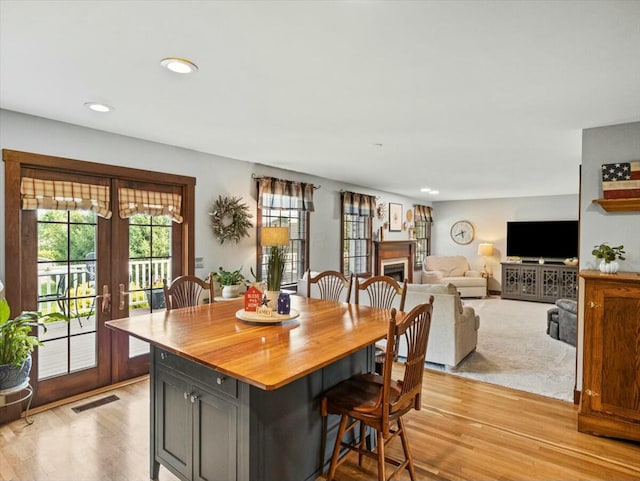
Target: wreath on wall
(230, 219)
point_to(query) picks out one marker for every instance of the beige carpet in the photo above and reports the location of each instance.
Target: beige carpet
(514, 350)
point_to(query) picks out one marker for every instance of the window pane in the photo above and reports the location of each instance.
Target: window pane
(295, 261)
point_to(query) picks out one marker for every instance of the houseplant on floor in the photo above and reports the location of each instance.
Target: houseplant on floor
(17, 343)
(230, 281)
(608, 256)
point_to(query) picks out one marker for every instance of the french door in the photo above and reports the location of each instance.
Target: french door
(93, 269)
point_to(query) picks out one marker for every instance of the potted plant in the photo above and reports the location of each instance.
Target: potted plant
(17, 343)
(608, 256)
(230, 281)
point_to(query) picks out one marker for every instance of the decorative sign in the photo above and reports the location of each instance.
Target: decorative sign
(252, 299)
(621, 180)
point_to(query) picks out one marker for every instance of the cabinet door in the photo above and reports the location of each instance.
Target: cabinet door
(615, 356)
(174, 420)
(568, 284)
(214, 437)
(549, 278)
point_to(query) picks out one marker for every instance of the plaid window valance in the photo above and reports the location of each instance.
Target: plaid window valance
(134, 201)
(422, 213)
(285, 194)
(358, 204)
(64, 195)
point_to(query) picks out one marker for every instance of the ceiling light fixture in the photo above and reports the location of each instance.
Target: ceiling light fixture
(434, 192)
(98, 107)
(179, 65)
(425, 189)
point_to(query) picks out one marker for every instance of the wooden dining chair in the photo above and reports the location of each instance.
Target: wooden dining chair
(382, 292)
(185, 291)
(331, 285)
(378, 401)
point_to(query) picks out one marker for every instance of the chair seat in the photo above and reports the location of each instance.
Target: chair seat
(360, 393)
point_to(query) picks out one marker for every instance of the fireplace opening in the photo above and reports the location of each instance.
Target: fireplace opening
(394, 270)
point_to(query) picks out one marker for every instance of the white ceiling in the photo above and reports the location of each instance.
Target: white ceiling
(477, 99)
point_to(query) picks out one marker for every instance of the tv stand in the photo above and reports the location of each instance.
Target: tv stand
(539, 282)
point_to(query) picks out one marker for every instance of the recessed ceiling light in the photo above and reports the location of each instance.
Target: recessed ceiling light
(98, 107)
(434, 192)
(179, 65)
(425, 189)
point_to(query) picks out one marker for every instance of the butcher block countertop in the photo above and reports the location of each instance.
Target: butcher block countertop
(267, 356)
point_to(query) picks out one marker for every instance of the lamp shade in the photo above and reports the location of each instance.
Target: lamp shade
(274, 236)
(485, 250)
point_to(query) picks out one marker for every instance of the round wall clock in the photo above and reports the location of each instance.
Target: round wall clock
(462, 232)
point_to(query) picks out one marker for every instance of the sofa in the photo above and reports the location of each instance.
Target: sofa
(562, 321)
(454, 327)
(454, 270)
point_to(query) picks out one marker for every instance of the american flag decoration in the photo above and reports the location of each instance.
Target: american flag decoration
(621, 180)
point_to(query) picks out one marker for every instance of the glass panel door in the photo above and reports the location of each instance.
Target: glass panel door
(67, 268)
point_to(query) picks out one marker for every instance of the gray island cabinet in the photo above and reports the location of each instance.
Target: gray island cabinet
(232, 400)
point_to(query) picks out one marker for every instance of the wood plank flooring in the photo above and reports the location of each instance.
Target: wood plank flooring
(465, 430)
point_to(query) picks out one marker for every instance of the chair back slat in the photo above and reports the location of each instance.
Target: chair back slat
(185, 291)
(331, 285)
(382, 291)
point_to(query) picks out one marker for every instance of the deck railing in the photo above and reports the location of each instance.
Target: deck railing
(59, 285)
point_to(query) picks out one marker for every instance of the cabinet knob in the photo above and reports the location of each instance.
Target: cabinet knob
(163, 355)
(186, 395)
(194, 398)
(589, 392)
(593, 305)
(221, 379)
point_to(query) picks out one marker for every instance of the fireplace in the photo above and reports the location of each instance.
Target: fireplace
(395, 259)
(396, 268)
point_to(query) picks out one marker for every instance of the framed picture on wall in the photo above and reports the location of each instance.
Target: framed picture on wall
(395, 217)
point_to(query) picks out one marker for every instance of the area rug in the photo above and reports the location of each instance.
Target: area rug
(515, 351)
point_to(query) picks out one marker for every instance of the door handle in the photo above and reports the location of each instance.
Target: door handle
(106, 299)
(123, 294)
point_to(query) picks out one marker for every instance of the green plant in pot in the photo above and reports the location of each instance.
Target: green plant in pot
(277, 240)
(17, 342)
(608, 257)
(230, 281)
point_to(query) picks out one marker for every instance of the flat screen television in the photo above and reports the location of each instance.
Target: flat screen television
(550, 239)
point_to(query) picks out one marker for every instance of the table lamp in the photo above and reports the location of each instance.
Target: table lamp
(485, 250)
(277, 239)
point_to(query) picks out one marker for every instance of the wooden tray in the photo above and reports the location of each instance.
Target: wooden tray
(274, 319)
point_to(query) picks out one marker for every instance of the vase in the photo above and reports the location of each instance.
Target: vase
(272, 298)
(229, 292)
(12, 376)
(609, 267)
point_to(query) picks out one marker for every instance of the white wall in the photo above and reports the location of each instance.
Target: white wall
(215, 176)
(605, 145)
(489, 218)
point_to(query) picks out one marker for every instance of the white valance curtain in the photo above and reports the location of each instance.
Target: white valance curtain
(358, 204)
(134, 201)
(285, 194)
(422, 213)
(64, 195)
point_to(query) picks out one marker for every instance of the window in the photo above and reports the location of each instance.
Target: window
(283, 203)
(423, 221)
(357, 233)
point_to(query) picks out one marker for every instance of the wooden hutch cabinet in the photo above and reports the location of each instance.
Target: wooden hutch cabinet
(610, 401)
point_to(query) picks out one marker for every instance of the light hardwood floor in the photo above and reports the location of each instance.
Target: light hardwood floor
(465, 430)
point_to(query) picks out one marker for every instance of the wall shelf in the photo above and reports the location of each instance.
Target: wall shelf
(619, 205)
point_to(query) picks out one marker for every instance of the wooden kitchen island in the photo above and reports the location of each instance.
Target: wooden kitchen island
(235, 400)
